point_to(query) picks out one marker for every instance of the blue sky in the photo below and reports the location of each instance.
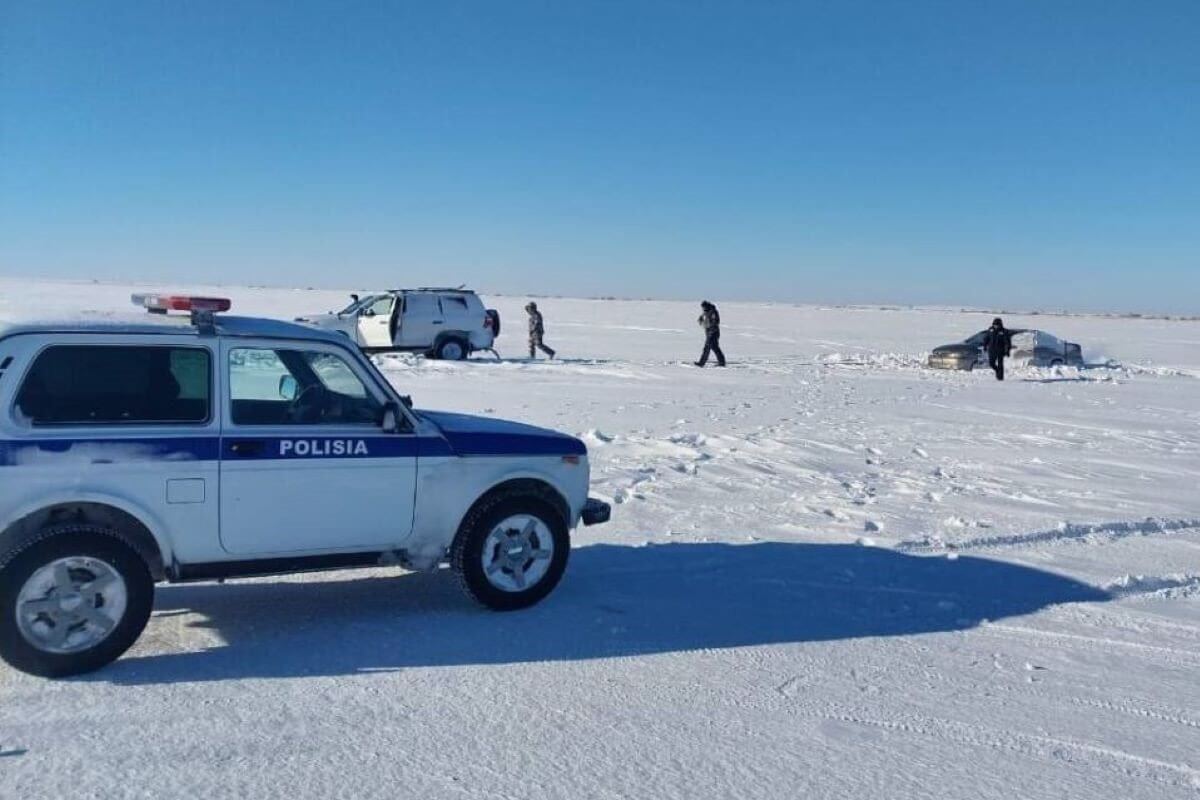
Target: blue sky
(1033, 154)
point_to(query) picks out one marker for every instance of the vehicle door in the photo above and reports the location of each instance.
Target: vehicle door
(306, 466)
(421, 320)
(376, 322)
(976, 342)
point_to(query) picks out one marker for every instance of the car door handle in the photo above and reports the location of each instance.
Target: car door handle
(437, 322)
(246, 447)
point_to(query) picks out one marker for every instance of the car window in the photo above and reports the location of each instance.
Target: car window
(352, 308)
(421, 306)
(380, 307)
(977, 339)
(335, 374)
(112, 384)
(297, 387)
(454, 305)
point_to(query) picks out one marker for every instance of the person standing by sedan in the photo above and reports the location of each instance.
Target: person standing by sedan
(997, 343)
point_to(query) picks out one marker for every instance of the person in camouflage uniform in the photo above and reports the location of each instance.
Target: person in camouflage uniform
(710, 320)
(537, 329)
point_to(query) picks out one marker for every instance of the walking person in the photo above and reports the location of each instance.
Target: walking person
(710, 320)
(998, 344)
(537, 329)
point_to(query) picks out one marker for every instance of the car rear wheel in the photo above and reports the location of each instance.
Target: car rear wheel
(512, 551)
(451, 350)
(72, 600)
(1058, 362)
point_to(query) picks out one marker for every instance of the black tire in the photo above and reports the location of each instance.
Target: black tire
(65, 541)
(1057, 362)
(466, 555)
(452, 349)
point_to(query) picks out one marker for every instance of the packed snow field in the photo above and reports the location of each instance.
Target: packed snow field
(831, 572)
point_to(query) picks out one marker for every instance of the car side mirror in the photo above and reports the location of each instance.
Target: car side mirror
(289, 388)
(392, 418)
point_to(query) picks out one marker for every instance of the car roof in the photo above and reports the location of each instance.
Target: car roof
(175, 324)
(1013, 331)
(433, 290)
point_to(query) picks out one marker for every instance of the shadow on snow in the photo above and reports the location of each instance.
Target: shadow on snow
(614, 601)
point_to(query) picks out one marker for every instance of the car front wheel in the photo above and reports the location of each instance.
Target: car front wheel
(512, 551)
(71, 601)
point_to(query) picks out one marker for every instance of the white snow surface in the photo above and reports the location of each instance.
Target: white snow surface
(831, 573)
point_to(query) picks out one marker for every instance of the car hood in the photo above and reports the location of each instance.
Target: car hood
(322, 320)
(956, 349)
(471, 435)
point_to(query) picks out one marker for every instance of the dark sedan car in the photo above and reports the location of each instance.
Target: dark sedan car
(1033, 347)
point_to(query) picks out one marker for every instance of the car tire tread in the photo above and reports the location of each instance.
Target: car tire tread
(56, 541)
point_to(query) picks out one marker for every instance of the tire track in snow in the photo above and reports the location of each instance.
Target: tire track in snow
(1172, 716)
(1065, 533)
(1046, 748)
(1155, 587)
(1177, 655)
(1144, 712)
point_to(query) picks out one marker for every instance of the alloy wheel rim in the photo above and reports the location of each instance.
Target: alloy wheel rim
(71, 604)
(517, 553)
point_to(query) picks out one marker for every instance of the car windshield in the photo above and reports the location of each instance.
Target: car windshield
(357, 305)
(976, 340)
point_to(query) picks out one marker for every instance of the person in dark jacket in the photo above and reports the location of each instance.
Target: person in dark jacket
(998, 344)
(537, 329)
(710, 320)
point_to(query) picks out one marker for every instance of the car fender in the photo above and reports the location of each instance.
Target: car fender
(451, 334)
(142, 514)
(447, 488)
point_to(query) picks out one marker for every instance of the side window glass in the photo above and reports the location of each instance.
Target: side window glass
(454, 305)
(191, 371)
(113, 384)
(336, 374)
(421, 307)
(297, 387)
(381, 307)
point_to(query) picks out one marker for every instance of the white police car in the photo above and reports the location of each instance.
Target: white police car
(181, 449)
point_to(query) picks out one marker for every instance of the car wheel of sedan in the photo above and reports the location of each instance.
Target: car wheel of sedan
(512, 551)
(72, 600)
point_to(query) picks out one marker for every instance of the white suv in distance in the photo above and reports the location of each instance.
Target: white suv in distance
(441, 323)
(162, 449)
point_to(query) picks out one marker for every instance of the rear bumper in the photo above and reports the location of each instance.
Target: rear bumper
(595, 512)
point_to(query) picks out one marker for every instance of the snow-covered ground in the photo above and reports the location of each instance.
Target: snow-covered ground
(831, 573)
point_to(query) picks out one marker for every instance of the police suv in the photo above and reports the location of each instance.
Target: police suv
(184, 448)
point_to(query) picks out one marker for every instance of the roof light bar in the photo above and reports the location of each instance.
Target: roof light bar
(162, 303)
